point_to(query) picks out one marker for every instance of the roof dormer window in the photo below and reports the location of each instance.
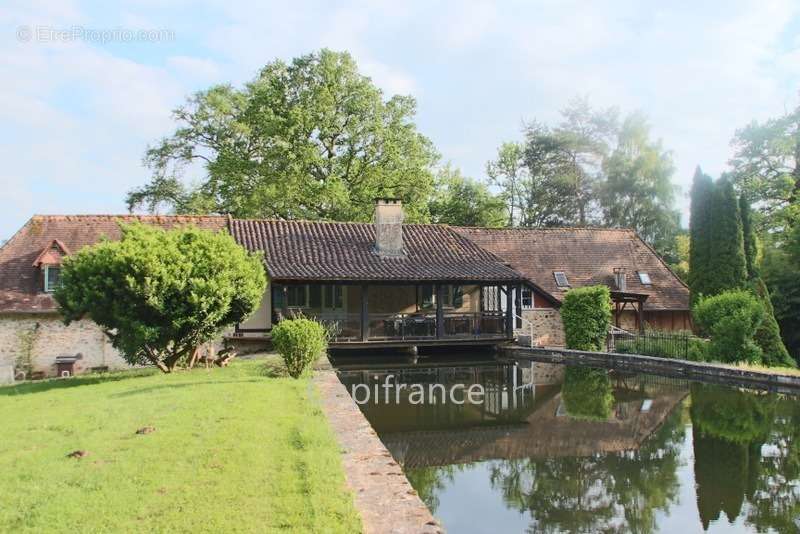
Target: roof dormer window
(52, 278)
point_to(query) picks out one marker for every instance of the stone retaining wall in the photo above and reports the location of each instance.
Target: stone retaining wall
(383, 496)
(705, 372)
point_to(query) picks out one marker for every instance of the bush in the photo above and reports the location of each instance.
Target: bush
(586, 314)
(300, 342)
(731, 319)
(160, 294)
(768, 335)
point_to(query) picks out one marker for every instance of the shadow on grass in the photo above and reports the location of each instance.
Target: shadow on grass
(151, 389)
(41, 386)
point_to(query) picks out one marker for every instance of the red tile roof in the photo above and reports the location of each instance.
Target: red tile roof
(21, 283)
(588, 256)
(304, 250)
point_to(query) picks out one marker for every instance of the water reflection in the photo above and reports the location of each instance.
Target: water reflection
(575, 449)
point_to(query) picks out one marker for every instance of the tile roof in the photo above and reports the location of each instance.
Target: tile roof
(588, 256)
(20, 282)
(305, 250)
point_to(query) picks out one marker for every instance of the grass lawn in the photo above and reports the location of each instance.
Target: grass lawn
(236, 449)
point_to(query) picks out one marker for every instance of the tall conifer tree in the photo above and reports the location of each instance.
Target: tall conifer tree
(700, 268)
(728, 265)
(749, 235)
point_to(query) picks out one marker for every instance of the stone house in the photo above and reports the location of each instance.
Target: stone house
(382, 284)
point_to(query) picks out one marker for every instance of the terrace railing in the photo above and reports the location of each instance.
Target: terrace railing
(346, 327)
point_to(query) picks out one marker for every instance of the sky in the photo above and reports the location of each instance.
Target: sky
(86, 86)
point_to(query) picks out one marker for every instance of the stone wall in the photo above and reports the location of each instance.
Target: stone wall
(548, 331)
(54, 339)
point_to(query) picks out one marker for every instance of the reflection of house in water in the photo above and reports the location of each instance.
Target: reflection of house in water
(510, 393)
(641, 405)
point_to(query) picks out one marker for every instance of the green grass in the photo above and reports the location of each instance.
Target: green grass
(234, 450)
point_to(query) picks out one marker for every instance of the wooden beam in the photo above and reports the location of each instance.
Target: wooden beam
(364, 312)
(509, 312)
(439, 311)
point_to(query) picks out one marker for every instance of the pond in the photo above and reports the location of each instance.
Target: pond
(548, 448)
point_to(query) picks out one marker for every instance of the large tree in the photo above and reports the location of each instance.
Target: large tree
(158, 294)
(700, 257)
(766, 165)
(313, 138)
(781, 271)
(462, 201)
(638, 192)
(727, 240)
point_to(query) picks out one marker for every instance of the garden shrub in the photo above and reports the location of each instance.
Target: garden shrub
(586, 314)
(299, 342)
(730, 319)
(587, 393)
(768, 335)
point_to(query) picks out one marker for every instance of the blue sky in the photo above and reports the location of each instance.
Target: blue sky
(78, 114)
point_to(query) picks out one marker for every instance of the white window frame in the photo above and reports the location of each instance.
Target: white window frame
(526, 290)
(47, 288)
(641, 274)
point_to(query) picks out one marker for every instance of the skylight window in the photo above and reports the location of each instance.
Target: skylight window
(561, 279)
(644, 278)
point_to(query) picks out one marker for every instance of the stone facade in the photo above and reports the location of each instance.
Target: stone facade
(52, 339)
(548, 331)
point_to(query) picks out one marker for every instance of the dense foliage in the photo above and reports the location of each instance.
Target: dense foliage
(591, 168)
(750, 241)
(462, 201)
(768, 334)
(587, 393)
(313, 138)
(700, 257)
(729, 267)
(300, 342)
(586, 315)
(781, 271)
(160, 294)
(731, 320)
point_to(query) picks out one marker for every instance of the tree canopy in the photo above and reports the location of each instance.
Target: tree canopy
(590, 169)
(160, 294)
(463, 201)
(313, 138)
(766, 165)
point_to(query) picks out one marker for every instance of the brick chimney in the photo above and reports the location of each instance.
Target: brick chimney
(389, 227)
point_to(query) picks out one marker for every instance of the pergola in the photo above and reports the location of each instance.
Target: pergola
(621, 299)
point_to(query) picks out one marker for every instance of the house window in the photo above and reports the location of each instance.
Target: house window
(561, 279)
(52, 278)
(334, 297)
(644, 278)
(452, 296)
(527, 298)
(297, 296)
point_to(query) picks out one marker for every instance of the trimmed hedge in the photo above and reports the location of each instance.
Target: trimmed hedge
(586, 314)
(300, 342)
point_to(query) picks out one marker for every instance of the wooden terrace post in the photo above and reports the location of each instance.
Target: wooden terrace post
(439, 311)
(509, 311)
(641, 316)
(364, 312)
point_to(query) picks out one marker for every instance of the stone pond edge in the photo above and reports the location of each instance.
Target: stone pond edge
(381, 492)
(706, 372)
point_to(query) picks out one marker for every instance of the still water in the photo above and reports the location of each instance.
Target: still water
(549, 448)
